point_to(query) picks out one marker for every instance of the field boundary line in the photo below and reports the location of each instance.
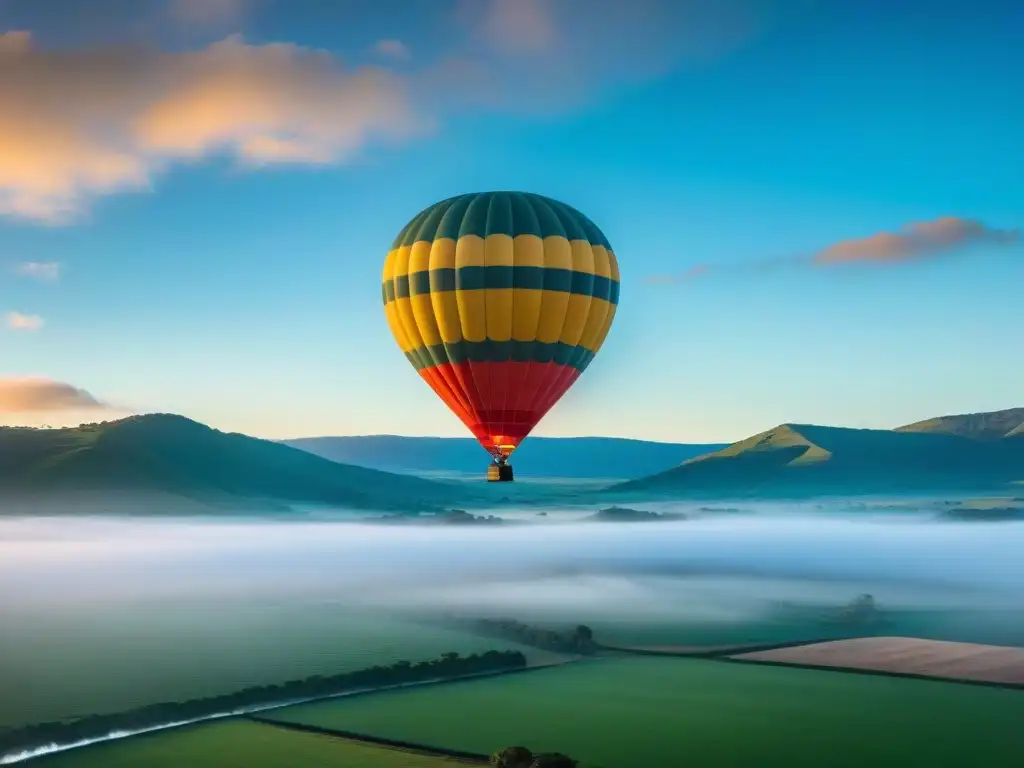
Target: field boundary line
(872, 672)
(378, 741)
(30, 753)
(722, 651)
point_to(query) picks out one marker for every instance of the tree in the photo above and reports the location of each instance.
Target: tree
(583, 639)
(862, 610)
(512, 757)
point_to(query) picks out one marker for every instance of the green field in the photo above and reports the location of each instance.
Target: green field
(238, 744)
(667, 713)
(90, 660)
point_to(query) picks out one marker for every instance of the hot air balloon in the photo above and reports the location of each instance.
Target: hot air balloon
(500, 300)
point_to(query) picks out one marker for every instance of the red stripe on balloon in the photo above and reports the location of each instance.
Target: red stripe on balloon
(517, 396)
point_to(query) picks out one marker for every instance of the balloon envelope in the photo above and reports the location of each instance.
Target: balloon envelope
(500, 300)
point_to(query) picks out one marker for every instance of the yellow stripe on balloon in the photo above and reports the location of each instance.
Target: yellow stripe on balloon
(445, 303)
(469, 252)
(595, 324)
(528, 251)
(602, 261)
(498, 252)
(582, 256)
(442, 254)
(579, 306)
(391, 313)
(557, 255)
(526, 311)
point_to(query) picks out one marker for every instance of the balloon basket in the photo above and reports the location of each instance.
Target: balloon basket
(499, 473)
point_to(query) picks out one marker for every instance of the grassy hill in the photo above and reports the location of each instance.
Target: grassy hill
(803, 459)
(539, 457)
(980, 426)
(173, 455)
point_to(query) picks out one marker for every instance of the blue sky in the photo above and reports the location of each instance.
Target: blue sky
(201, 275)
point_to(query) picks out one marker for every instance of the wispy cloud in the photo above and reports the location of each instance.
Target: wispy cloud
(916, 241)
(26, 394)
(80, 123)
(17, 321)
(513, 26)
(557, 54)
(41, 270)
(83, 123)
(392, 49)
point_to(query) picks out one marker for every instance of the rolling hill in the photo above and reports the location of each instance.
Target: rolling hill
(177, 457)
(980, 426)
(539, 457)
(803, 459)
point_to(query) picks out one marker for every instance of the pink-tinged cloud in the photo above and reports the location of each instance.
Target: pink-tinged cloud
(513, 26)
(35, 394)
(916, 241)
(40, 270)
(18, 321)
(78, 124)
(392, 49)
(557, 55)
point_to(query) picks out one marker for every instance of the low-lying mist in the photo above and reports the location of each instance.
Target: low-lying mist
(103, 614)
(620, 568)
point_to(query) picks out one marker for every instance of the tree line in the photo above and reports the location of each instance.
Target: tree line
(579, 640)
(153, 715)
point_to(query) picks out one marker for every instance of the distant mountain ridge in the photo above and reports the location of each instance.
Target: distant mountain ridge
(173, 455)
(539, 457)
(176, 458)
(965, 452)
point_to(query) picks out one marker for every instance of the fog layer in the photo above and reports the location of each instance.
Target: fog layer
(57, 561)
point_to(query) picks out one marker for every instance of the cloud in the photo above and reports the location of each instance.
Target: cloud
(29, 394)
(394, 49)
(556, 54)
(513, 26)
(915, 241)
(42, 270)
(208, 12)
(17, 321)
(78, 124)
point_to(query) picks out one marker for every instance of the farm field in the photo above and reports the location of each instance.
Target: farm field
(964, 661)
(98, 659)
(663, 713)
(237, 743)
